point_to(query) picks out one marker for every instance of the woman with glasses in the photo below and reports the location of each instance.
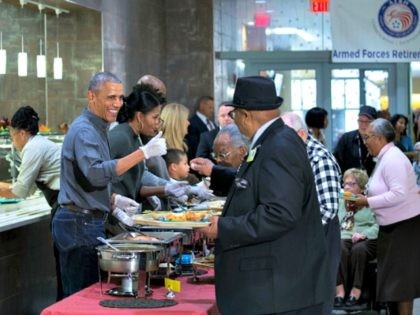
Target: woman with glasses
(359, 232)
(393, 195)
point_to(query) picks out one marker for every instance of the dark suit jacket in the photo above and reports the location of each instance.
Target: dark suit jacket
(195, 128)
(205, 145)
(351, 151)
(270, 253)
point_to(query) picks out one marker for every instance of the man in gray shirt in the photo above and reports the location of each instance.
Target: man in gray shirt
(87, 171)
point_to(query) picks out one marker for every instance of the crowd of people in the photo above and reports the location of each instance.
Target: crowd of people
(287, 236)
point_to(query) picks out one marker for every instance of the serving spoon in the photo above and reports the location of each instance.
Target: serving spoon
(101, 239)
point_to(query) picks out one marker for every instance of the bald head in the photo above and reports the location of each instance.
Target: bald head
(153, 82)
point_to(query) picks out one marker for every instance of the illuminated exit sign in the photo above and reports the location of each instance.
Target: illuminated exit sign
(319, 6)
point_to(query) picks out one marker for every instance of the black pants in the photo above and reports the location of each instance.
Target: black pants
(354, 259)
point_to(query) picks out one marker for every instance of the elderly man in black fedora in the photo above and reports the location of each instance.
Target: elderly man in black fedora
(270, 252)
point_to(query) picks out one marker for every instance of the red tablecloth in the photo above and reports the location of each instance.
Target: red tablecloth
(194, 299)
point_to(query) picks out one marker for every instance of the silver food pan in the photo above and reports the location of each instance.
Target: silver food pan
(160, 238)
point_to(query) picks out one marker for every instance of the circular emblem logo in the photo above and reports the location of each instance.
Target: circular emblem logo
(398, 18)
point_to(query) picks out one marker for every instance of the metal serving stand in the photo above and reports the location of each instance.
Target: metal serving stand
(170, 241)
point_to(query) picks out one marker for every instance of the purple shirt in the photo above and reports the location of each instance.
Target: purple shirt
(393, 193)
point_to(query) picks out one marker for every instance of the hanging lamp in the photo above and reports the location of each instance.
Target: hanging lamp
(58, 61)
(22, 62)
(41, 61)
(3, 56)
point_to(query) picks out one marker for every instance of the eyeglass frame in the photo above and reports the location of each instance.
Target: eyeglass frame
(367, 137)
(232, 114)
(364, 122)
(221, 156)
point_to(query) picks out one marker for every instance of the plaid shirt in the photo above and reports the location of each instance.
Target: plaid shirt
(327, 176)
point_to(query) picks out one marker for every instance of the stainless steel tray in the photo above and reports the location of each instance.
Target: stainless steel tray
(164, 238)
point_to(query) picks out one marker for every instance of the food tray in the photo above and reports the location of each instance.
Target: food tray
(215, 205)
(147, 219)
(204, 262)
(351, 197)
(163, 238)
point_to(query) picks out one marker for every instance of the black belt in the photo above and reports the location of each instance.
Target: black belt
(93, 213)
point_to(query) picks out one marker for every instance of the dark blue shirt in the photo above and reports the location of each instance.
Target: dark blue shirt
(86, 167)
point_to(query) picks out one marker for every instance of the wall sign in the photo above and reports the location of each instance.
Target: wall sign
(375, 30)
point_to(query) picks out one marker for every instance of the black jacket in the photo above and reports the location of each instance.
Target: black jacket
(270, 255)
(350, 152)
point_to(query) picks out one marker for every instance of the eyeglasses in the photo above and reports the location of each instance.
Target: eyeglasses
(220, 156)
(351, 184)
(364, 122)
(232, 114)
(367, 137)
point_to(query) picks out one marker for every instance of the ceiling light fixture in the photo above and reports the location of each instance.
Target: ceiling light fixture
(41, 62)
(290, 31)
(22, 62)
(3, 56)
(58, 61)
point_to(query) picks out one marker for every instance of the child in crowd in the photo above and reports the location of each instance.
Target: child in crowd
(177, 164)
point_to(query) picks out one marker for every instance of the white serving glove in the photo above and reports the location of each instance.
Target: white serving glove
(127, 204)
(123, 217)
(199, 193)
(155, 202)
(176, 189)
(155, 147)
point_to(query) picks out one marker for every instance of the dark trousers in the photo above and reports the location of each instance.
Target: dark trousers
(311, 310)
(354, 259)
(75, 236)
(332, 236)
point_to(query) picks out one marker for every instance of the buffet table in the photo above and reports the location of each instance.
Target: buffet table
(27, 277)
(194, 299)
(28, 211)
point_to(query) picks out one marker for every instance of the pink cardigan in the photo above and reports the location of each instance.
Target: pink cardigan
(392, 190)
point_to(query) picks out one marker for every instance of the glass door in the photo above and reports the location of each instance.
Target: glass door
(338, 88)
(350, 88)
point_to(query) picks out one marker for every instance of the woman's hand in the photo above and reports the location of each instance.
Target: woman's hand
(361, 201)
(356, 237)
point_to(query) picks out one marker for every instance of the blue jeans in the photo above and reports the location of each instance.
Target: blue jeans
(74, 235)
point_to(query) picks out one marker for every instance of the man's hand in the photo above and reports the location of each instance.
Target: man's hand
(211, 231)
(155, 147)
(199, 192)
(127, 204)
(155, 202)
(202, 166)
(176, 189)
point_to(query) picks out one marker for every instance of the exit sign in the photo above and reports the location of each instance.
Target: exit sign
(318, 6)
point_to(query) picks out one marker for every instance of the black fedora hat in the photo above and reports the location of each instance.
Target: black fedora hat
(256, 93)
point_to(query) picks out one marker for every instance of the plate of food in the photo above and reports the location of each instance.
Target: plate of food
(347, 195)
(193, 219)
(215, 205)
(206, 262)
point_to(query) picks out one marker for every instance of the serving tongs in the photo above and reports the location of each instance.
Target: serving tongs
(179, 206)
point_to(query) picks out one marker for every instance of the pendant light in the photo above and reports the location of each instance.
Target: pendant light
(22, 62)
(22, 56)
(41, 62)
(3, 56)
(58, 61)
